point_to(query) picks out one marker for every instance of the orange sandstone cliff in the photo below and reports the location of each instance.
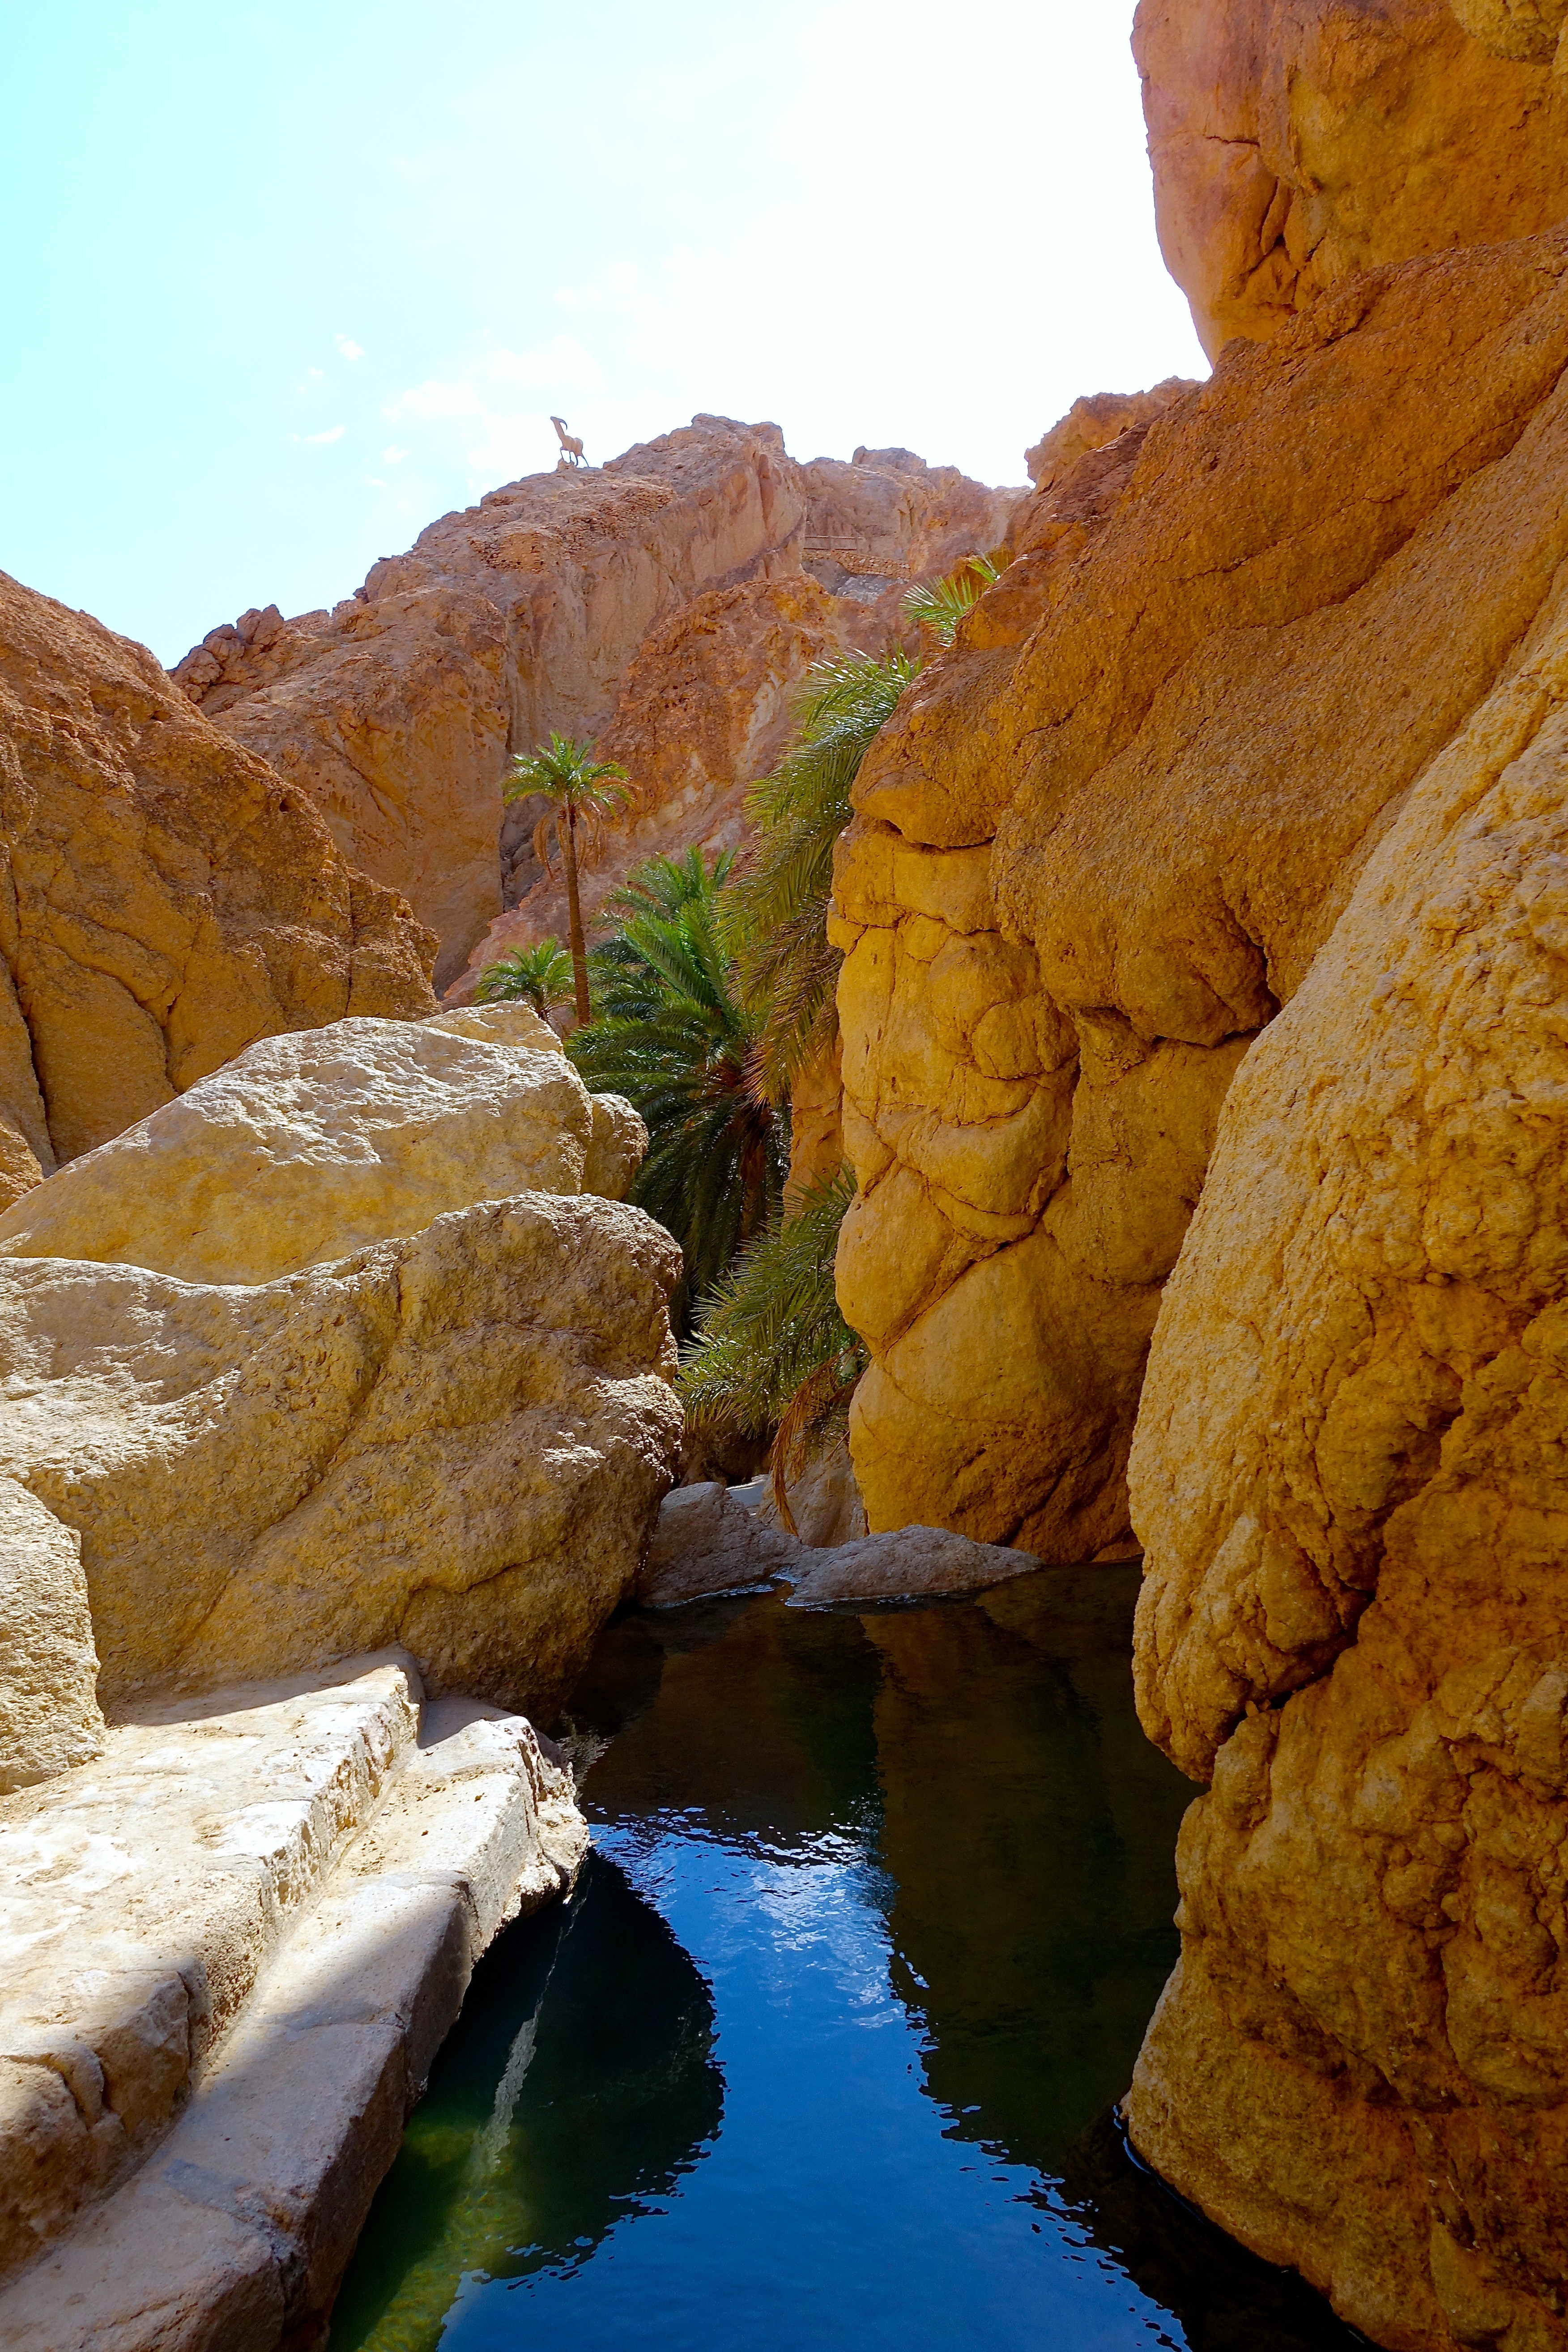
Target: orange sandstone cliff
(164, 897)
(1207, 1078)
(708, 552)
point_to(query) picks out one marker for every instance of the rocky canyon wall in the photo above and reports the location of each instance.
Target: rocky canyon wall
(663, 603)
(1103, 838)
(1295, 141)
(164, 896)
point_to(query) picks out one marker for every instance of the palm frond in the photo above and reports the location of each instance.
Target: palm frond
(772, 1349)
(540, 975)
(788, 969)
(940, 604)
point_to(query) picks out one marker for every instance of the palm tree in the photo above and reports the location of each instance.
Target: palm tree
(789, 967)
(940, 605)
(583, 793)
(774, 1352)
(674, 1037)
(540, 975)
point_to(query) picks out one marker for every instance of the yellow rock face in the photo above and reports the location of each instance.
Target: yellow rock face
(1103, 838)
(1348, 1476)
(164, 898)
(1295, 141)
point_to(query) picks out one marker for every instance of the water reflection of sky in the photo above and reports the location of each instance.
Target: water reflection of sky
(876, 1913)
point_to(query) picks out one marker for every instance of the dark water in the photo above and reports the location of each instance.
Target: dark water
(823, 2050)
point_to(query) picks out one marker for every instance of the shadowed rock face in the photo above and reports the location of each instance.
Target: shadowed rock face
(1103, 838)
(164, 897)
(1295, 141)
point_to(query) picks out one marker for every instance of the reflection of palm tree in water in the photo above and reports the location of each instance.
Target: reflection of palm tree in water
(577, 2085)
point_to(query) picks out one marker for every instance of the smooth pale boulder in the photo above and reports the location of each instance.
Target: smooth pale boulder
(313, 1145)
(49, 1715)
(457, 1442)
(910, 1564)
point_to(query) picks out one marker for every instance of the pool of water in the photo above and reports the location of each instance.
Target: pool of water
(825, 2047)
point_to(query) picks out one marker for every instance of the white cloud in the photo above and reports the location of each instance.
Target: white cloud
(318, 440)
(313, 375)
(348, 349)
(564, 365)
(395, 456)
(433, 399)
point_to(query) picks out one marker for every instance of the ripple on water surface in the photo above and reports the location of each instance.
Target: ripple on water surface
(823, 2049)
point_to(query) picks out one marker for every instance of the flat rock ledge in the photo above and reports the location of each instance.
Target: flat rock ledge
(709, 1539)
(230, 1947)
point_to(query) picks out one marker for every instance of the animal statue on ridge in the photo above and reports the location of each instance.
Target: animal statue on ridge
(571, 448)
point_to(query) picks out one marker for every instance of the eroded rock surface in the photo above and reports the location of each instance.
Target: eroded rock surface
(164, 897)
(457, 1442)
(658, 602)
(49, 1715)
(313, 1146)
(228, 1952)
(1347, 1477)
(1295, 141)
(1101, 841)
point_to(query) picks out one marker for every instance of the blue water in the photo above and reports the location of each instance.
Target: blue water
(823, 2049)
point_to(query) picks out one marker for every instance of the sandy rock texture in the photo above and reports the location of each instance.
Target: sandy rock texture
(231, 1948)
(49, 1715)
(397, 710)
(1295, 141)
(313, 1146)
(1104, 837)
(1348, 1476)
(164, 897)
(456, 1442)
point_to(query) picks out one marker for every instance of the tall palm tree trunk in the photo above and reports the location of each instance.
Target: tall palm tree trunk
(575, 918)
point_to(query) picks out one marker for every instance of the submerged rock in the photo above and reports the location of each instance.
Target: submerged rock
(709, 1541)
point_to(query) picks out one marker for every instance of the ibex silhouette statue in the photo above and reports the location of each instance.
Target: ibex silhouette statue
(568, 441)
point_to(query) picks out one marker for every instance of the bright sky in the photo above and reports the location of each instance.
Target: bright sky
(285, 283)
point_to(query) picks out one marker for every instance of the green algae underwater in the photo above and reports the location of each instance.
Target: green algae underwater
(824, 2047)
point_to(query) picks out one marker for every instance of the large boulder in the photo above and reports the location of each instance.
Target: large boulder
(164, 896)
(1102, 839)
(49, 1715)
(1295, 141)
(455, 1442)
(314, 1144)
(1349, 1477)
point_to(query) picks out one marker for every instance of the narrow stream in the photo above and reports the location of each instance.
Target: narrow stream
(824, 2047)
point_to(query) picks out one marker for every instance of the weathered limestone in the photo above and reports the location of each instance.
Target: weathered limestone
(1295, 141)
(311, 1147)
(455, 1442)
(1102, 839)
(49, 1715)
(164, 898)
(252, 1921)
(1348, 1476)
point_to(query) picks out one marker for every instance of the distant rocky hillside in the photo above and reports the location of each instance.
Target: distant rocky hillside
(664, 602)
(164, 897)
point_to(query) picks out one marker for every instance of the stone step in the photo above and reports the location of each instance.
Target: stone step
(141, 1896)
(375, 1855)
